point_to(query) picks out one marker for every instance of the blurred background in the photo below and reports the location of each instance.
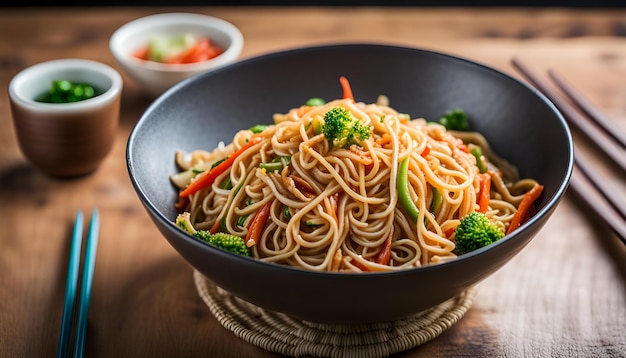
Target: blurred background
(430, 3)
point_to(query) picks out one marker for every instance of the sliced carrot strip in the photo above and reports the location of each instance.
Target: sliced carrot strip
(258, 224)
(207, 178)
(526, 205)
(142, 53)
(484, 194)
(385, 139)
(384, 255)
(359, 265)
(216, 227)
(347, 90)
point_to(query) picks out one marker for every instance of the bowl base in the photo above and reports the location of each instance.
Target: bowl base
(280, 333)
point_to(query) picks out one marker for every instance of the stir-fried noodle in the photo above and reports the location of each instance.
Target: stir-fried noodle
(324, 207)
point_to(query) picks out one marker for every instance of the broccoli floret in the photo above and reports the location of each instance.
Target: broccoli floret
(455, 119)
(228, 242)
(342, 129)
(475, 231)
(183, 221)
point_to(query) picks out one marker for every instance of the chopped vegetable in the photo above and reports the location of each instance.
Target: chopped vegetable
(404, 197)
(359, 265)
(184, 48)
(217, 226)
(228, 242)
(227, 184)
(480, 161)
(347, 90)
(62, 91)
(218, 162)
(527, 203)
(455, 119)
(286, 212)
(342, 129)
(475, 231)
(258, 224)
(277, 164)
(161, 48)
(182, 179)
(435, 204)
(258, 128)
(203, 50)
(207, 178)
(484, 194)
(183, 221)
(220, 225)
(384, 255)
(318, 126)
(314, 102)
(241, 220)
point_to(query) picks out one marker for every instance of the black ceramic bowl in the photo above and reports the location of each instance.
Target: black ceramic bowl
(520, 124)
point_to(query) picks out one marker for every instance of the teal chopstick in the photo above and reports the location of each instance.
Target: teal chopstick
(70, 286)
(85, 292)
(72, 283)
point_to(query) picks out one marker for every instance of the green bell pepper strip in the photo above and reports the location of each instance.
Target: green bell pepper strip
(277, 163)
(286, 212)
(478, 154)
(403, 191)
(437, 200)
(241, 220)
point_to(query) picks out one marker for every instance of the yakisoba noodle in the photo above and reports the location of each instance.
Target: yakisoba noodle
(333, 209)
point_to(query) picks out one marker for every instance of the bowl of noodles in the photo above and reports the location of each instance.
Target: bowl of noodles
(350, 172)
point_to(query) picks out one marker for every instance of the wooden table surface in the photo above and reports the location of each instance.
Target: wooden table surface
(563, 295)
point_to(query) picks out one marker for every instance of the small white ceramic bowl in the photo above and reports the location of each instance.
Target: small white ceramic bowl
(66, 139)
(155, 77)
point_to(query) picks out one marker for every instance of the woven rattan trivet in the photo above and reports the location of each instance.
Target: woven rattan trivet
(280, 333)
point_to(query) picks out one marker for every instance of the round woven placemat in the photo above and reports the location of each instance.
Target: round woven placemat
(280, 333)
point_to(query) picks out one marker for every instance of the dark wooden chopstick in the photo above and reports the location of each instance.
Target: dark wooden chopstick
(598, 136)
(585, 182)
(603, 187)
(89, 261)
(588, 108)
(585, 190)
